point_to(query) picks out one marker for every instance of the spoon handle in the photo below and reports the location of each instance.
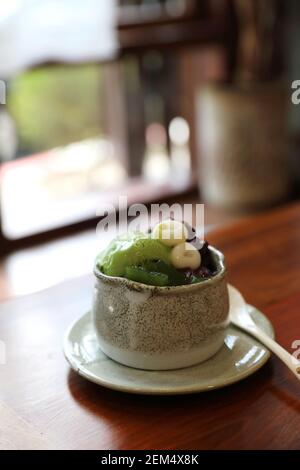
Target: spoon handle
(292, 363)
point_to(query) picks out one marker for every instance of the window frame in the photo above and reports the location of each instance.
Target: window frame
(207, 27)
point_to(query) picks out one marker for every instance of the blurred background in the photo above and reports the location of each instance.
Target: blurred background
(170, 100)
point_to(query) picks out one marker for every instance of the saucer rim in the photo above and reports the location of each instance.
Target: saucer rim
(168, 390)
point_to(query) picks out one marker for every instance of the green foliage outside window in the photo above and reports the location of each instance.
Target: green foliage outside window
(56, 105)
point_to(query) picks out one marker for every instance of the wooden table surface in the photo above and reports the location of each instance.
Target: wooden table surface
(43, 404)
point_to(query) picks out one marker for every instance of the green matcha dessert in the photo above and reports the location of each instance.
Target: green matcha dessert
(163, 257)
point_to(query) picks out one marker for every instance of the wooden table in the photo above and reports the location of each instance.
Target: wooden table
(46, 405)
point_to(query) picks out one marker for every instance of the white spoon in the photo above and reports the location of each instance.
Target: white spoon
(240, 317)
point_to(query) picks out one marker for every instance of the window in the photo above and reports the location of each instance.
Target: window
(94, 107)
(63, 156)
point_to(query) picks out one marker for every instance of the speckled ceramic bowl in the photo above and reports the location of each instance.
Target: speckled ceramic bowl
(161, 328)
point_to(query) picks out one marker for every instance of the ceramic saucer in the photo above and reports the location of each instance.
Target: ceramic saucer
(240, 357)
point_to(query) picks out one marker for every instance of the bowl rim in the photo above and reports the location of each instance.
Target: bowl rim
(139, 286)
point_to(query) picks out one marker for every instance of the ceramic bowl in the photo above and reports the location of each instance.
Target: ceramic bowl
(160, 328)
